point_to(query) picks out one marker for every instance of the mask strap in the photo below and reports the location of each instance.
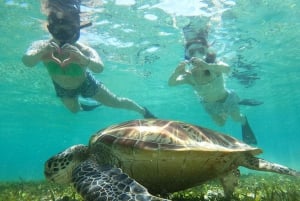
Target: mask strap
(85, 24)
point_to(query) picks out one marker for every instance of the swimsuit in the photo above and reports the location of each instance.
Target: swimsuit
(227, 106)
(87, 89)
(72, 70)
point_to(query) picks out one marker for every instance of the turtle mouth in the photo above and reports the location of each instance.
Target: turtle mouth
(47, 174)
(59, 177)
(58, 172)
(57, 168)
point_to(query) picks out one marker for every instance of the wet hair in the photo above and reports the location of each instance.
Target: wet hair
(58, 10)
(72, 6)
(202, 41)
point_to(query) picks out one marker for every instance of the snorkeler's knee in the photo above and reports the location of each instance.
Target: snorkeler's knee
(221, 123)
(74, 110)
(240, 118)
(219, 120)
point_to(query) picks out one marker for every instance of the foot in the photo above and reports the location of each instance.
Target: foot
(148, 114)
(250, 102)
(248, 135)
(89, 107)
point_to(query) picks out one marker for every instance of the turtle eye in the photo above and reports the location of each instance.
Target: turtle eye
(50, 163)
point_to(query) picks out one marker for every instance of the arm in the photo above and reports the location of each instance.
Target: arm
(219, 67)
(92, 59)
(179, 76)
(84, 56)
(38, 51)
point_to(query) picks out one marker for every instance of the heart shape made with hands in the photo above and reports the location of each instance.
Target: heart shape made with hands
(60, 51)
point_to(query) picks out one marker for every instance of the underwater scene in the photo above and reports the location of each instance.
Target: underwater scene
(158, 55)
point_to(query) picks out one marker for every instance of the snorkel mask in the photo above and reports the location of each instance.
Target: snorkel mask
(64, 20)
(64, 30)
(195, 48)
(199, 48)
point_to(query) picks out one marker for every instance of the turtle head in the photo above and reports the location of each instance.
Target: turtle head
(59, 168)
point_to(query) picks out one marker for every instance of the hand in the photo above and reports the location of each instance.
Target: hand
(75, 55)
(48, 52)
(222, 64)
(180, 68)
(197, 62)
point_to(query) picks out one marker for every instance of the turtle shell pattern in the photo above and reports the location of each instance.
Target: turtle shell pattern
(167, 156)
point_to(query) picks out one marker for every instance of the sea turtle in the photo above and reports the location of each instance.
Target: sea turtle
(125, 161)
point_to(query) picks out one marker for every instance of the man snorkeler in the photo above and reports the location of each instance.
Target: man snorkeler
(206, 77)
(69, 62)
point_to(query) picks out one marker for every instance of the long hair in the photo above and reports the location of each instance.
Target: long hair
(72, 6)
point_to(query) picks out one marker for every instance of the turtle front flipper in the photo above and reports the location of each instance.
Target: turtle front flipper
(95, 182)
(229, 181)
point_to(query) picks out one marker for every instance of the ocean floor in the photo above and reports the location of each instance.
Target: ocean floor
(252, 187)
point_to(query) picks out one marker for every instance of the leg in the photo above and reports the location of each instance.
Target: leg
(247, 133)
(107, 98)
(71, 103)
(231, 105)
(215, 110)
(234, 111)
(97, 91)
(237, 116)
(69, 97)
(219, 119)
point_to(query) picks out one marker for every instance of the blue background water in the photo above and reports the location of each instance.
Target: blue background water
(141, 43)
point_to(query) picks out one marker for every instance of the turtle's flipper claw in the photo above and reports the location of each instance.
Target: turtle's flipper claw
(94, 182)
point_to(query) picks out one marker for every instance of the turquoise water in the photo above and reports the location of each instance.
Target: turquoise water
(141, 43)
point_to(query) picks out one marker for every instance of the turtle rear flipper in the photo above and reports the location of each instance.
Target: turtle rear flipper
(254, 163)
(95, 182)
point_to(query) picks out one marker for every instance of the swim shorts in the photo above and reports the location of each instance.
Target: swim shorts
(87, 89)
(228, 106)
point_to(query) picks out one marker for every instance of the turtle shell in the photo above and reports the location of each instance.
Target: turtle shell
(167, 156)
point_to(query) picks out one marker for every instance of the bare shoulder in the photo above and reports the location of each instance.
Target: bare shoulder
(224, 67)
(39, 44)
(88, 51)
(83, 47)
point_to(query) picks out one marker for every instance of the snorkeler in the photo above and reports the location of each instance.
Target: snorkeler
(70, 63)
(206, 77)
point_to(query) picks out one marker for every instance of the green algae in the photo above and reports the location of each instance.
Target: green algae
(258, 187)
(252, 187)
(37, 191)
